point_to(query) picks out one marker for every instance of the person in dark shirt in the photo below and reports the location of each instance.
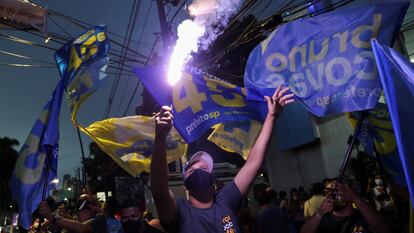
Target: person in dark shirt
(334, 217)
(207, 211)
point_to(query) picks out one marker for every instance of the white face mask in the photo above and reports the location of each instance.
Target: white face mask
(378, 181)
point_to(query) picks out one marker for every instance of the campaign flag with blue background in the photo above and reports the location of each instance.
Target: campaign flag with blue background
(129, 141)
(39, 152)
(327, 59)
(82, 63)
(377, 137)
(397, 78)
(200, 100)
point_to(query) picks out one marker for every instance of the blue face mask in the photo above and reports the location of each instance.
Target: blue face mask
(199, 182)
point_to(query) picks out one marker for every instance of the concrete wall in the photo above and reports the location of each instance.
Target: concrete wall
(311, 163)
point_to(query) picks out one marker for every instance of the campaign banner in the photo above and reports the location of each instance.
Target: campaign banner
(89, 47)
(397, 78)
(37, 159)
(22, 15)
(327, 60)
(129, 141)
(200, 100)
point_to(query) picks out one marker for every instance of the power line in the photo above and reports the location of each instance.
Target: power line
(130, 29)
(149, 56)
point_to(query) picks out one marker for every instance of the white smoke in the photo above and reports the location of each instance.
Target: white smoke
(214, 15)
(210, 18)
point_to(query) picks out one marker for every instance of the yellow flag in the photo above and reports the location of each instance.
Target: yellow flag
(237, 137)
(129, 141)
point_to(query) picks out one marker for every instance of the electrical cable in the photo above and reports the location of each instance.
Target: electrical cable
(126, 42)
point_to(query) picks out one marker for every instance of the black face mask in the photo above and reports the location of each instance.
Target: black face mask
(199, 184)
(132, 226)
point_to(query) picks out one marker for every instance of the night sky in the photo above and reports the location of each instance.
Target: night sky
(24, 91)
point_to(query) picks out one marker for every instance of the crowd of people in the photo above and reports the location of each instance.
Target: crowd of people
(329, 207)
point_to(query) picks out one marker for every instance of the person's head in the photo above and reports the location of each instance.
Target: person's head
(260, 194)
(198, 176)
(272, 193)
(131, 215)
(378, 180)
(282, 194)
(316, 189)
(294, 194)
(87, 207)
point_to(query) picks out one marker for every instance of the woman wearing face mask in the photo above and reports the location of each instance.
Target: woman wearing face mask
(381, 195)
(205, 210)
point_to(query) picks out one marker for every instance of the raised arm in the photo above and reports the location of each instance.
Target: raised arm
(248, 172)
(61, 222)
(163, 197)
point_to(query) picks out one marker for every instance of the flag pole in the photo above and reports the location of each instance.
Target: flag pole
(83, 153)
(351, 147)
(45, 185)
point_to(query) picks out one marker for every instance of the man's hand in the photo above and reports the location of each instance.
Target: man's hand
(45, 210)
(326, 206)
(279, 99)
(163, 122)
(346, 192)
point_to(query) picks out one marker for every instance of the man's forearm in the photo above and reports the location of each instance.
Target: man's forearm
(159, 170)
(374, 219)
(311, 225)
(74, 226)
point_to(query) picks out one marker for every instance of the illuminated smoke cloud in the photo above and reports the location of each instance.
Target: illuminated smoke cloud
(209, 18)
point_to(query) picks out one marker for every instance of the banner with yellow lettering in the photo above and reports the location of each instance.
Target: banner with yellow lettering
(129, 141)
(327, 60)
(200, 100)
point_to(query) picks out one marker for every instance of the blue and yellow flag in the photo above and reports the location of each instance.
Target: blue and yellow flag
(129, 141)
(200, 100)
(327, 60)
(236, 137)
(377, 136)
(82, 63)
(397, 78)
(39, 152)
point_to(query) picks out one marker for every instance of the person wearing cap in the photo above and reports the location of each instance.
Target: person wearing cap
(207, 211)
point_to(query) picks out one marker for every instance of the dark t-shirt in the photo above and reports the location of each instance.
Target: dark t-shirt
(271, 219)
(221, 217)
(352, 224)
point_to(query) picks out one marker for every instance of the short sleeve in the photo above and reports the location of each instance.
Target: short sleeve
(230, 196)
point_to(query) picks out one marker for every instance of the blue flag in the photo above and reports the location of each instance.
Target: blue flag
(200, 100)
(397, 78)
(327, 59)
(82, 63)
(87, 48)
(40, 151)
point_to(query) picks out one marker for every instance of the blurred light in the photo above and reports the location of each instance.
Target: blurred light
(47, 39)
(69, 189)
(11, 206)
(55, 181)
(412, 60)
(66, 199)
(261, 174)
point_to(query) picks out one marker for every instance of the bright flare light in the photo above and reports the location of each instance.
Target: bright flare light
(189, 32)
